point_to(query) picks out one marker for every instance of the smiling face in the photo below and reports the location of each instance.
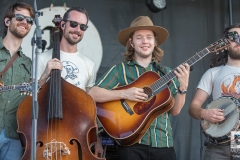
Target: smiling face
(19, 28)
(70, 34)
(143, 42)
(234, 48)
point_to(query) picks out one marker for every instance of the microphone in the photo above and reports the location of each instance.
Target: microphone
(206, 143)
(44, 43)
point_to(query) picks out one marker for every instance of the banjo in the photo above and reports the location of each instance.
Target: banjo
(230, 107)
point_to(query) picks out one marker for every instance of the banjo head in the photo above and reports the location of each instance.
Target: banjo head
(231, 122)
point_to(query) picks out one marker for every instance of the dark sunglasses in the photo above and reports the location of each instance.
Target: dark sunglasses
(74, 24)
(20, 17)
(234, 36)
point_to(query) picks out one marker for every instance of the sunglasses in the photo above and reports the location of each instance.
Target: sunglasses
(74, 24)
(20, 17)
(234, 36)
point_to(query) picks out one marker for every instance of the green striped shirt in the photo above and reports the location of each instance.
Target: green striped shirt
(159, 133)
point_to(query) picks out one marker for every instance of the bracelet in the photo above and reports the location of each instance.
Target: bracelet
(181, 92)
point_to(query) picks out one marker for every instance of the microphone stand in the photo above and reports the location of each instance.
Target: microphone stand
(38, 41)
(230, 11)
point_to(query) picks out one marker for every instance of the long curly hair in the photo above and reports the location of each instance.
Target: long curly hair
(222, 57)
(157, 53)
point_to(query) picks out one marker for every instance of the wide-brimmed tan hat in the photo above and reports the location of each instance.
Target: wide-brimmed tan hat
(143, 23)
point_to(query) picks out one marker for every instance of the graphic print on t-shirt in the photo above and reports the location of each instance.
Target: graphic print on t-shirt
(230, 85)
(71, 72)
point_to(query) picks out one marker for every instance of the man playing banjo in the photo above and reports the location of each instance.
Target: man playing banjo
(222, 82)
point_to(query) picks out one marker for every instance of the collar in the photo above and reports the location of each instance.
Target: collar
(1, 43)
(2, 47)
(133, 62)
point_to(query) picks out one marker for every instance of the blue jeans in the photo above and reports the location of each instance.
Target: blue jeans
(10, 149)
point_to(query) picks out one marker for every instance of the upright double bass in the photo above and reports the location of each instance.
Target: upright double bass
(66, 126)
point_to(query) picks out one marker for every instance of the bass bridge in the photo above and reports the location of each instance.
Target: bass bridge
(54, 147)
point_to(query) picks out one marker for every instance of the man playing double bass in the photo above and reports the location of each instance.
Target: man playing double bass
(17, 21)
(77, 69)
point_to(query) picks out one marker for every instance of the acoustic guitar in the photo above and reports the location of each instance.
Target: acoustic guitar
(127, 121)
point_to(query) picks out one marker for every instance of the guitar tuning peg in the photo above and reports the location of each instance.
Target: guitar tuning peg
(30, 94)
(24, 93)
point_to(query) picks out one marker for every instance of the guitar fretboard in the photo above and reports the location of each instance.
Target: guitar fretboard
(24, 87)
(7, 88)
(156, 86)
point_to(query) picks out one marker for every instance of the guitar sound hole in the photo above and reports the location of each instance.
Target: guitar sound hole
(148, 91)
(142, 107)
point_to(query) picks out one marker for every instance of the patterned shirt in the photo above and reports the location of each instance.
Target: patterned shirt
(159, 133)
(19, 72)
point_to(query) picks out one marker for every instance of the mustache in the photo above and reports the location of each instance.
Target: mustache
(76, 32)
(24, 25)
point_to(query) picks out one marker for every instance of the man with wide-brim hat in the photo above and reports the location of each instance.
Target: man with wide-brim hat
(143, 23)
(150, 136)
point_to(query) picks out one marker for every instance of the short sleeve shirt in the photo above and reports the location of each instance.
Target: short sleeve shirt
(159, 133)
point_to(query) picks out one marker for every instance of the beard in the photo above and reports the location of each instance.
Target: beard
(17, 33)
(234, 53)
(69, 39)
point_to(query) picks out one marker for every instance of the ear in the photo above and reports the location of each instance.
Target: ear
(62, 24)
(130, 41)
(6, 21)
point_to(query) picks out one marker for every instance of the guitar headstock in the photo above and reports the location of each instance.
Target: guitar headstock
(218, 46)
(26, 88)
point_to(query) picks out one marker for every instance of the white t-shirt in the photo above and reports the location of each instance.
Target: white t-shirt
(78, 69)
(221, 81)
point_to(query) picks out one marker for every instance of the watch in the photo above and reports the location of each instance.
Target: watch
(181, 92)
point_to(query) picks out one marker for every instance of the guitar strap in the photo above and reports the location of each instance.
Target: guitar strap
(163, 71)
(160, 69)
(8, 65)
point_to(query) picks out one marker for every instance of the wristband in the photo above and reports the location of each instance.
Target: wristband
(181, 92)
